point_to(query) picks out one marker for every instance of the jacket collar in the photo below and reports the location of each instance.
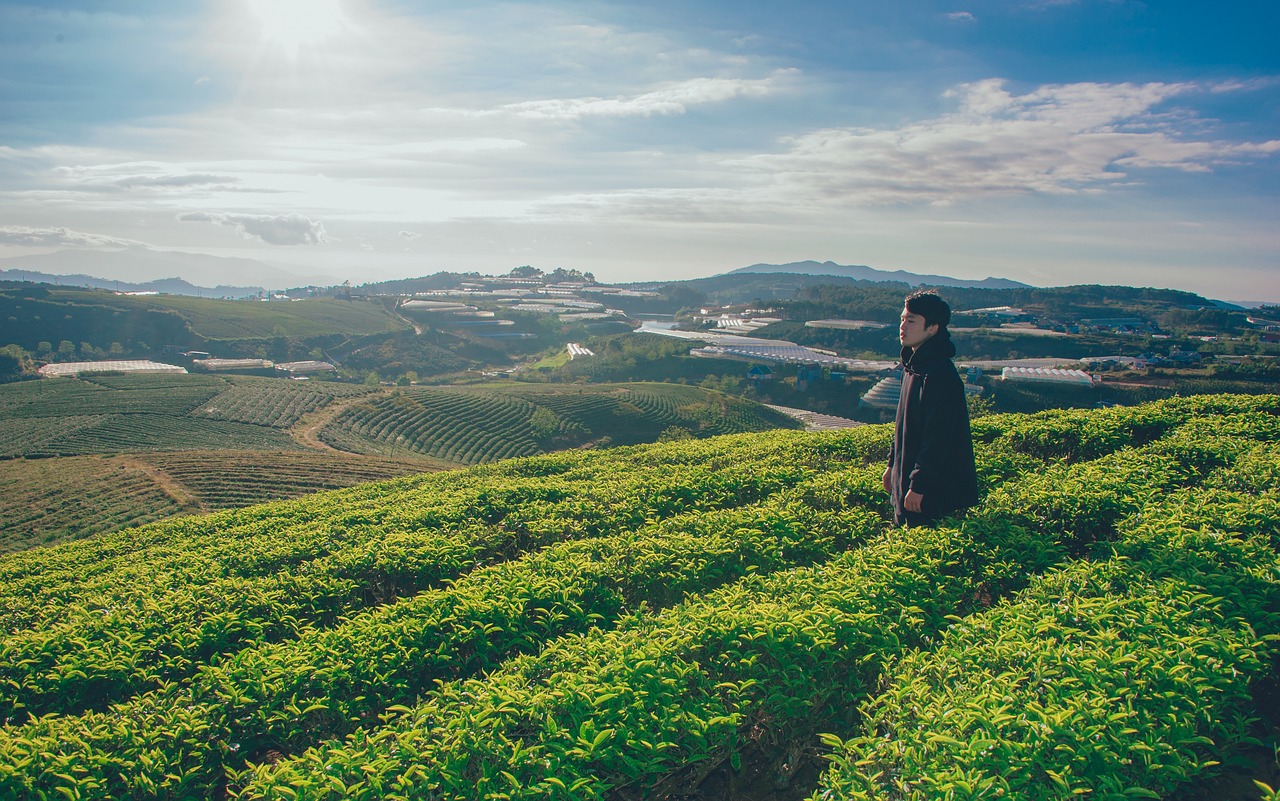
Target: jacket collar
(935, 348)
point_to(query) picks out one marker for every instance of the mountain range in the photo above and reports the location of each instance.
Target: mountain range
(860, 272)
(150, 271)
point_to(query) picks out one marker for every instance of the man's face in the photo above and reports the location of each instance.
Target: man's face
(912, 330)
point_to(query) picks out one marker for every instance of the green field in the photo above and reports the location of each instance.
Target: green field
(726, 617)
(472, 425)
(131, 449)
(50, 500)
(103, 453)
(213, 318)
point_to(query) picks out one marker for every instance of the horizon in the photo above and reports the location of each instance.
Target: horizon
(23, 275)
(1051, 142)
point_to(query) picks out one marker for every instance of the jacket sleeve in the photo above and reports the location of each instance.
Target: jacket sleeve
(941, 405)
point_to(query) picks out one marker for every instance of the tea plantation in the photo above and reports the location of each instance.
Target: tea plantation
(108, 452)
(692, 619)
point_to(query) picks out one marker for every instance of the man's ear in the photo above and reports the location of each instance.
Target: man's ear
(932, 329)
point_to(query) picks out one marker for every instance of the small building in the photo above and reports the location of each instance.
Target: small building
(260, 366)
(294, 369)
(760, 372)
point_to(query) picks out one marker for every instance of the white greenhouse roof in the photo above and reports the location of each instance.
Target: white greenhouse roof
(1047, 374)
(69, 369)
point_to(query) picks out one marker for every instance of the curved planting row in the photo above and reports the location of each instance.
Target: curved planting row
(133, 394)
(159, 613)
(179, 742)
(1125, 678)
(652, 707)
(20, 436)
(745, 674)
(592, 409)
(635, 707)
(122, 433)
(44, 499)
(471, 426)
(230, 479)
(266, 402)
(423, 424)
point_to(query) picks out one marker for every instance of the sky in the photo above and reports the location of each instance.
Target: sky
(1053, 142)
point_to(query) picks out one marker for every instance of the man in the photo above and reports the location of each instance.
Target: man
(931, 471)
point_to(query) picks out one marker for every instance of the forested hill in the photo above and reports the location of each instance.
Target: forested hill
(802, 296)
(682, 620)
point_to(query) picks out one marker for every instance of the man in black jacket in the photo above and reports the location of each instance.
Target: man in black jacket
(931, 471)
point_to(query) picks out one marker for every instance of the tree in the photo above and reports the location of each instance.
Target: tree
(525, 271)
(15, 363)
(684, 297)
(544, 423)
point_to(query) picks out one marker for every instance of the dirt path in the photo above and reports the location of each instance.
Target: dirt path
(306, 432)
(164, 481)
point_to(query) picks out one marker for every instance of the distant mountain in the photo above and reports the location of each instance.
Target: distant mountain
(167, 286)
(864, 273)
(140, 269)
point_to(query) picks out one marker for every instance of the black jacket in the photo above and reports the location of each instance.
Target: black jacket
(932, 447)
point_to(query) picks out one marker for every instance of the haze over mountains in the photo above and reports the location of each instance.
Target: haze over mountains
(143, 269)
(863, 273)
(198, 274)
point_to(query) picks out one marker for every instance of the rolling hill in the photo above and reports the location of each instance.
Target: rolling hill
(693, 619)
(84, 456)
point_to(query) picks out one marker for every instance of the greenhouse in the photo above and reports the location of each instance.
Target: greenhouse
(1049, 374)
(73, 369)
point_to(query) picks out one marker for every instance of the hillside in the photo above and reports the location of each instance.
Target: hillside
(694, 619)
(103, 453)
(470, 425)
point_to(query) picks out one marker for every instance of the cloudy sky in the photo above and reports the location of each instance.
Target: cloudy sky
(1048, 141)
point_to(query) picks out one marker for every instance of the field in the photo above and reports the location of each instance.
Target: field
(49, 500)
(86, 456)
(476, 425)
(238, 319)
(721, 618)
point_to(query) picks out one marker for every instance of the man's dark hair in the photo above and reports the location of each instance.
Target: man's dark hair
(929, 305)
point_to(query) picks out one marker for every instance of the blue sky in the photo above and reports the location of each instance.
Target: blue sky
(1049, 141)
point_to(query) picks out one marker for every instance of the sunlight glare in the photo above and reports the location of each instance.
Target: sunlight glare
(294, 24)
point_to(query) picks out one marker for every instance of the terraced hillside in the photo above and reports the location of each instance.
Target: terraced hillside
(697, 619)
(472, 425)
(49, 500)
(85, 456)
(103, 453)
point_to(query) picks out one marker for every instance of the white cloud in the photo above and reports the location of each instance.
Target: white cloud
(61, 237)
(410, 234)
(675, 98)
(1063, 139)
(288, 229)
(960, 16)
(177, 181)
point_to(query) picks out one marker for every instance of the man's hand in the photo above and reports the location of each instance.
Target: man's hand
(912, 502)
(885, 480)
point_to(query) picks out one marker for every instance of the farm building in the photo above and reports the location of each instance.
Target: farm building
(1047, 374)
(304, 368)
(847, 325)
(232, 365)
(73, 369)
